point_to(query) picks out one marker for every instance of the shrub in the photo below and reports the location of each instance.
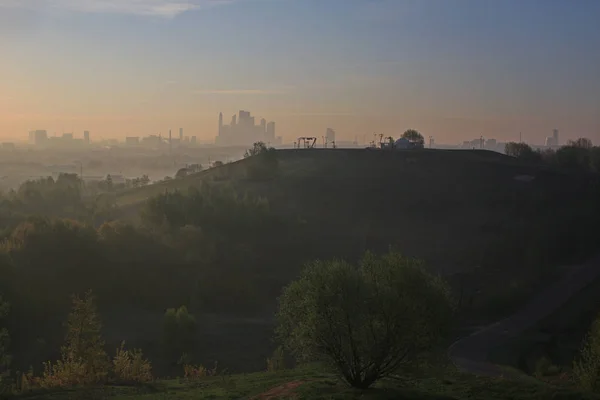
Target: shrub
(277, 361)
(586, 370)
(365, 321)
(195, 372)
(65, 373)
(131, 366)
(179, 332)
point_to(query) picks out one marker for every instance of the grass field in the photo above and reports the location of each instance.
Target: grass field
(309, 383)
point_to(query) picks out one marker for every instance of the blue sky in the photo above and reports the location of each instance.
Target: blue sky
(451, 68)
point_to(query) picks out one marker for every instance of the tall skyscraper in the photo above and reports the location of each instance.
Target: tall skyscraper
(555, 136)
(181, 135)
(263, 125)
(86, 136)
(220, 123)
(271, 131)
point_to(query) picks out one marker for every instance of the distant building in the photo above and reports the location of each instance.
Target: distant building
(555, 137)
(86, 137)
(193, 140)
(270, 131)
(67, 136)
(181, 134)
(8, 146)
(491, 144)
(243, 132)
(330, 135)
(38, 137)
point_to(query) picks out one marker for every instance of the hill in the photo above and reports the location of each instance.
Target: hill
(433, 203)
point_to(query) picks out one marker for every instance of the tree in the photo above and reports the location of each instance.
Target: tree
(583, 143)
(586, 369)
(83, 341)
(365, 321)
(573, 157)
(83, 359)
(256, 149)
(521, 151)
(414, 136)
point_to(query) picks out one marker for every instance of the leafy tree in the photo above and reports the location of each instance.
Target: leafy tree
(583, 143)
(256, 149)
(83, 341)
(586, 369)
(573, 157)
(414, 136)
(83, 359)
(521, 151)
(366, 321)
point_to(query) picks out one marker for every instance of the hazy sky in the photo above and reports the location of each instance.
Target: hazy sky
(454, 69)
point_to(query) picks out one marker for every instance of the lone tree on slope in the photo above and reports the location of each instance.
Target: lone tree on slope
(367, 320)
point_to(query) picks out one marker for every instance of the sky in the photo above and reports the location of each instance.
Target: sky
(452, 69)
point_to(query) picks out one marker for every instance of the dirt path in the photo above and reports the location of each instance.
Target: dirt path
(284, 391)
(470, 354)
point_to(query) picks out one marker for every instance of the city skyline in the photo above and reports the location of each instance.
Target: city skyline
(453, 70)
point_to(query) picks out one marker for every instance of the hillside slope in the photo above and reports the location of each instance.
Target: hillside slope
(449, 207)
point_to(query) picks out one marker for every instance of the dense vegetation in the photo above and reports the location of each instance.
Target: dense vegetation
(230, 243)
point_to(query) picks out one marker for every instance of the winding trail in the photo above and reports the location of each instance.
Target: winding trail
(470, 353)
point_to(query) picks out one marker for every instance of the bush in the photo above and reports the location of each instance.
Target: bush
(276, 362)
(131, 366)
(195, 372)
(586, 370)
(365, 321)
(65, 373)
(179, 332)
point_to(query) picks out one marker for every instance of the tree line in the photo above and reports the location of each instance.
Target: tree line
(576, 155)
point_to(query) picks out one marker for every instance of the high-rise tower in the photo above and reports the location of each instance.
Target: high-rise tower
(220, 123)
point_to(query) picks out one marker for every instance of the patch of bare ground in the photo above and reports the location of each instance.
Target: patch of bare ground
(285, 391)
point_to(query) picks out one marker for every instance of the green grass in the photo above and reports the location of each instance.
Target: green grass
(445, 383)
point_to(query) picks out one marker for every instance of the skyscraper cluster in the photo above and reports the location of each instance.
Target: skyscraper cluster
(242, 131)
